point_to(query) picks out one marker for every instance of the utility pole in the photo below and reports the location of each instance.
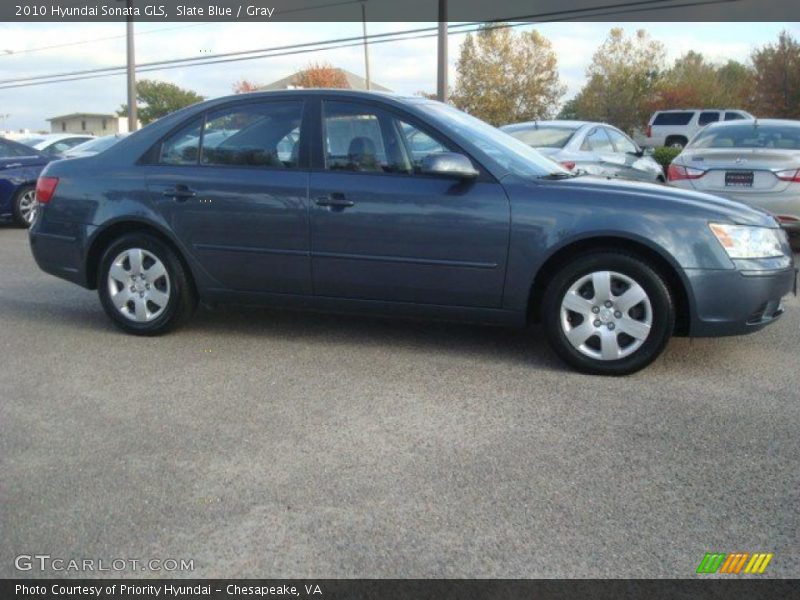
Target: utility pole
(366, 43)
(132, 117)
(441, 80)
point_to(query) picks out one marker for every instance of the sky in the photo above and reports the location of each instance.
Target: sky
(406, 66)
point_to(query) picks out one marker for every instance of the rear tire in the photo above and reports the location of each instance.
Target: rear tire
(608, 313)
(24, 206)
(143, 285)
(676, 141)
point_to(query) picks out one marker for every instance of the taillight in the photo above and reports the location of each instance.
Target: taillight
(787, 219)
(790, 175)
(649, 131)
(568, 164)
(45, 188)
(676, 172)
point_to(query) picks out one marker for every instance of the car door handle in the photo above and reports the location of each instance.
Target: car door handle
(180, 193)
(334, 200)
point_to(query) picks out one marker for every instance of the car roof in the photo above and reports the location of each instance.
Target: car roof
(61, 136)
(670, 110)
(755, 123)
(549, 123)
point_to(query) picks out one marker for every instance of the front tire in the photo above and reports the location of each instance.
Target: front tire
(608, 313)
(24, 206)
(143, 286)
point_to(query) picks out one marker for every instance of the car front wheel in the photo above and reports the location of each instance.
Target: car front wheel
(143, 286)
(608, 313)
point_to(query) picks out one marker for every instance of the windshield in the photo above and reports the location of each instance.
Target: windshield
(779, 137)
(97, 145)
(510, 153)
(31, 141)
(543, 137)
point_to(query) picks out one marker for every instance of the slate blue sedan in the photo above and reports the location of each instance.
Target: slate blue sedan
(20, 165)
(364, 202)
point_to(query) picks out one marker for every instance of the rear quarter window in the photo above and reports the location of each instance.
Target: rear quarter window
(673, 118)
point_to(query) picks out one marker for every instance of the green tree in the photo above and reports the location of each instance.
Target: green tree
(570, 111)
(621, 80)
(693, 81)
(505, 77)
(156, 99)
(777, 78)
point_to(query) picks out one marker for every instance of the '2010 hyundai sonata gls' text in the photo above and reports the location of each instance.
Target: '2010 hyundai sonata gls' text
(353, 201)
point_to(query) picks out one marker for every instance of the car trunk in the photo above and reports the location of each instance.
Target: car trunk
(742, 171)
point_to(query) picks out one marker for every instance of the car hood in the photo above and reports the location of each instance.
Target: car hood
(717, 207)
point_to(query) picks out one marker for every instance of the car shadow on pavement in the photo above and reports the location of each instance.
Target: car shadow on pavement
(521, 346)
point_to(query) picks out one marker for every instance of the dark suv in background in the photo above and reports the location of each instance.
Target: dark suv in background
(367, 202)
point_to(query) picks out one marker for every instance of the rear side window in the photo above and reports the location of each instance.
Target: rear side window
(708, 117)
(673, 118)
(253, 135)
(256, 134)
(598, 141)
(182, 147)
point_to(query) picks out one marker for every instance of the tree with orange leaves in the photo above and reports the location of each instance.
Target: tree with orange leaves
(321, 75)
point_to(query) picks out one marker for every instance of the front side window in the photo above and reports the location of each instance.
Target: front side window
(597, 141)
(264, 134)
(622, 142)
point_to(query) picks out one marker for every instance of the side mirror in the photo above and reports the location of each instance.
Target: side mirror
(448, 164)
(648, 151)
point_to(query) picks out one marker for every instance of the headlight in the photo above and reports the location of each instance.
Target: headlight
(742, 241)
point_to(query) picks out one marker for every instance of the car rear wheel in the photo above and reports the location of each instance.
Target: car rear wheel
(25, 206)
(676, 142)
(608, 313)
(143, 286)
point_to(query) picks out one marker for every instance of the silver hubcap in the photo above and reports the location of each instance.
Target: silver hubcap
(27, 206)
(138, 285)
(606, 315)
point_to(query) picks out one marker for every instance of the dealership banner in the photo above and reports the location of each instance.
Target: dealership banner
(398, 10)
(398, 589)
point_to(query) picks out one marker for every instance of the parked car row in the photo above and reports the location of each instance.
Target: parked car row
(367, 202)
(21, 162)
(592, 148)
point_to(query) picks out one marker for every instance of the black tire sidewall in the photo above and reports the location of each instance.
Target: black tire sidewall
(641, 272)
(15, 206)
(179, 302)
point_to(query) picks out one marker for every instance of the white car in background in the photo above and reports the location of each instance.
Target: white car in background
(756, 162)
(93, 146)
(675, 128)
(55, 144)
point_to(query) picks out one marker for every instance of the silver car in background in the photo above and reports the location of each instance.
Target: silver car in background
(756, 162)
(595, 148)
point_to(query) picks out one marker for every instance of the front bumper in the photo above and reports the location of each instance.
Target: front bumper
(734, 302)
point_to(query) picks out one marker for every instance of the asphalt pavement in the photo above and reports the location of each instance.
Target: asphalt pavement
(259, 443)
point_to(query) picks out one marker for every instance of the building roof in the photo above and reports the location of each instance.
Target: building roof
(82, 115)
(355, 82)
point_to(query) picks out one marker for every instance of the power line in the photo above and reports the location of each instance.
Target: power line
(334, 44)
(100, 39)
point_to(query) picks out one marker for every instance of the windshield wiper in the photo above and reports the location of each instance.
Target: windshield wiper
(558, 176)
